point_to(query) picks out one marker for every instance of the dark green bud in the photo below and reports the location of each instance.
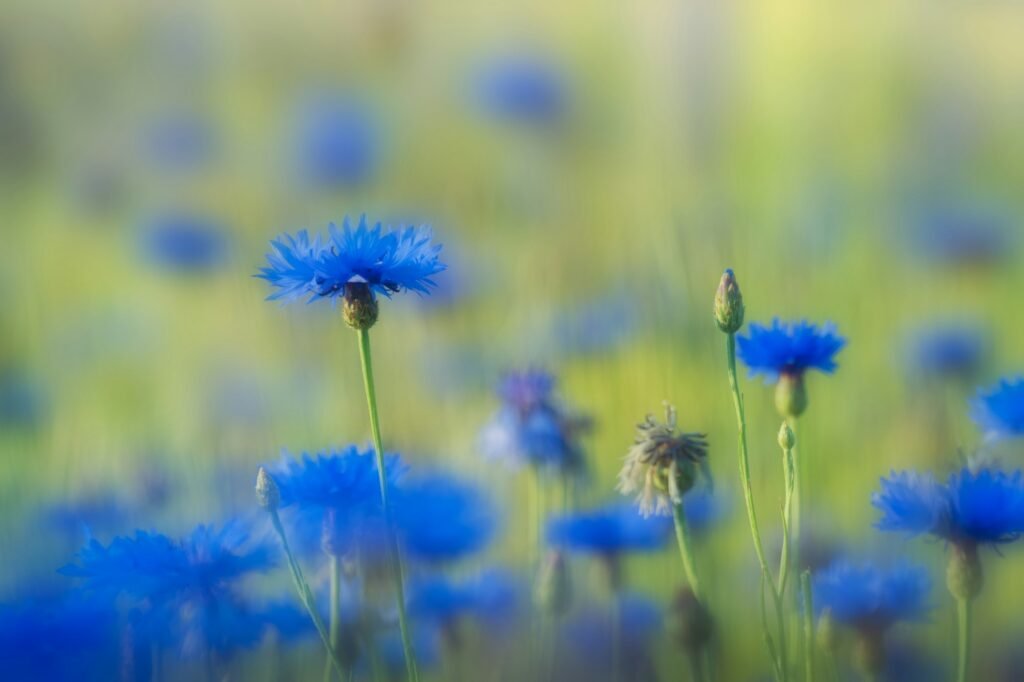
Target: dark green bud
(964, 576)
(694, 620)
(791, 394)
(729, 304)
(359, 305)
(553, 590)
(267, 493)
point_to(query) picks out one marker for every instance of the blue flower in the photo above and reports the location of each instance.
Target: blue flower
(492, 598)
(986, 507)
(590, 634)
(387, 261)
(609, 530)
(336, 497)
(789, 348)
(872, 597)
(999, 410)
(153, 567)
(532, 427)
(56, 638)
(523, 89)
(184, 243)
(963, 235)
(947, 351)
(439, 518)
(336, 143)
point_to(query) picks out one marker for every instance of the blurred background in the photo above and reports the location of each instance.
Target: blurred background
(591, 168)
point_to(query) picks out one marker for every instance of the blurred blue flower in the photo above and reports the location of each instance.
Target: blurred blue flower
(439, 518)
(962, 235)
(83, 517)
(789, 348)
(335, 143)
(531, 427)
(999, 410)
(609, 530)
(866, 596)
(336, 497)
(388, 261)
(155, 568)
(392, 653)
(973, 508)
(492, 598)
(184, 243)
(523, 89)
(56, 638)
(947, 351)
(589, 635)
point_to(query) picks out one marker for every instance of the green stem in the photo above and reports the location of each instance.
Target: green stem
(779, 655)
(396, 560)
(805, 587)
(789, 471)
(696, 666)
(335, 611)
(963, 613)
(685, 550)
(305, 594)
(797, 496)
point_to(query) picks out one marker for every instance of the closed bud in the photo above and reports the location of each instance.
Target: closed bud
(729, 304)
(964, 576)
(694, 620)
(791, 394)
(267, 493)
(359, 305)
(553, 589)
(787, 439)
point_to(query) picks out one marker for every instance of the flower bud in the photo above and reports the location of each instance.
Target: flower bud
(359, 305)
(695, 623)
(787, 439)
(791, 394)
(553, 589)
(267, 493)
(964, 576)
(729, 304)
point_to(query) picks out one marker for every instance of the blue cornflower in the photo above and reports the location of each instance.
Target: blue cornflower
(385, 261)
(492, 598)
(784, 352)
(336, 496)
(524, 89)
(947, 351)
(872, 597)
(789, 348)
(153, 567)
(336, 143)
(999, 410)
(532, 427)
(184, 243)
(986, 507)
(439, 518)
(67, 637)
(609, 530)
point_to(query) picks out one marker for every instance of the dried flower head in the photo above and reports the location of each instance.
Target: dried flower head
(662, 464)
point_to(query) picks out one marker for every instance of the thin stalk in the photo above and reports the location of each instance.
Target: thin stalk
(778, 655)
(616, 630)
(805, 588)
(335, 611)
(963, 618)
(789, 472)
(305, 594)
(797, 495)
(696, 666)
(686, 550)
(396, 561)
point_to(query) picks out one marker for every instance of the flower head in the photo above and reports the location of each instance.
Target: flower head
(866, 596)
(948, 351)
(385, 261)
(986, 507)
(155, 568)
(492, 598)
(335, 142)
(184, 243)
(999, 410)
(439, 518)
(662, 464)
(608, 530)
(525, 89)
(789, 348)
(533, 427)
(336, 497)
